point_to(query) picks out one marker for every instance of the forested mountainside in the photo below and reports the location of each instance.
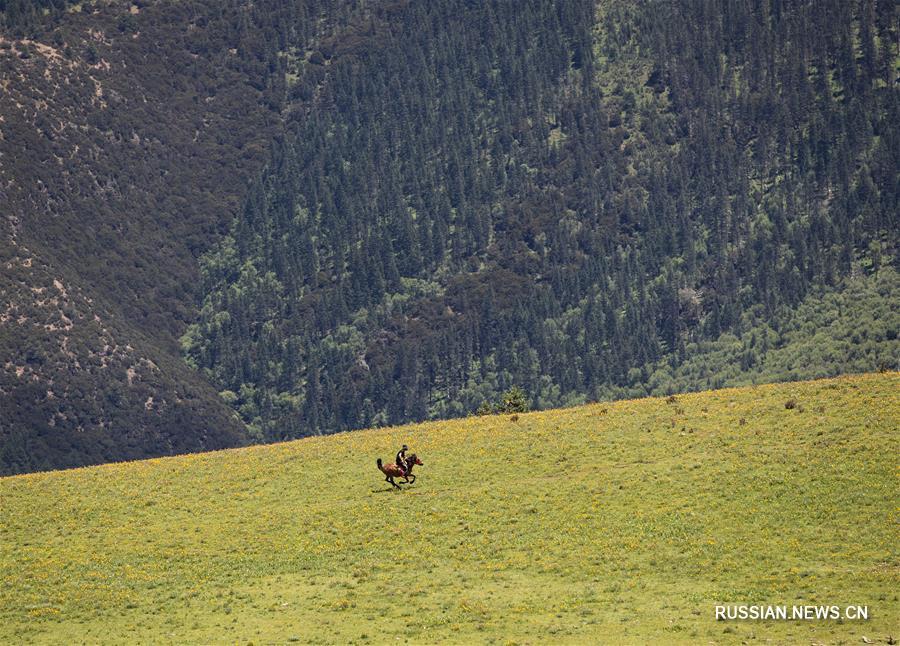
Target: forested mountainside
(579, 198)
(356, 213)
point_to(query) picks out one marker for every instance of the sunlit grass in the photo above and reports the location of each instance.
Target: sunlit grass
(620, 522)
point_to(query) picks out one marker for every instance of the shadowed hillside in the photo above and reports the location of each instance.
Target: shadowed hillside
(128, 135)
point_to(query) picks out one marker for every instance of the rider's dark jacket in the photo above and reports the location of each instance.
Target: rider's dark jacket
(401, 460)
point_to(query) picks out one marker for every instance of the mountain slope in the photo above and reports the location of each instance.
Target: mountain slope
(128, 136)
(566, 196)
(625, 521)
(349, 214)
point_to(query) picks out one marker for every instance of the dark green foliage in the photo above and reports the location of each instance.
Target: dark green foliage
(25, 17)
(475, 195)
(513, 400)
(485, 408)
(832, 331)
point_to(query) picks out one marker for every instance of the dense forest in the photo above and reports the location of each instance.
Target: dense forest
(572, 198)
(225, 221)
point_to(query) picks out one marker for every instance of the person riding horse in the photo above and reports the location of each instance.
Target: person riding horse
(401, 459)
(402, 467)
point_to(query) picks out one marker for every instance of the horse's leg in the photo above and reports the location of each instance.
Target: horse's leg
(391, 480)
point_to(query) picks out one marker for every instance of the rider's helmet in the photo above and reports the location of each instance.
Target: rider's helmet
(405, 448)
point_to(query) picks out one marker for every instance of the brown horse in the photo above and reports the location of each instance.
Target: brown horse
(392, 471)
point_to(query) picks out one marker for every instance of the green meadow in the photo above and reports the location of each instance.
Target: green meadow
(621, 522)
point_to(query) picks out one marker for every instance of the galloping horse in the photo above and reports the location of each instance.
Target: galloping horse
(393, 471)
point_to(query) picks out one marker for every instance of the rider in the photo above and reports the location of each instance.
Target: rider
(401, 459)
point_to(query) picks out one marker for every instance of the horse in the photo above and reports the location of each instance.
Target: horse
(393, 471)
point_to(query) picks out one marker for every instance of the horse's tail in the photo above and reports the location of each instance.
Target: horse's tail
(378, 462)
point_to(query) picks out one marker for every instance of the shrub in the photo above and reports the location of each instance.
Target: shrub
(485, 409)
(514, 400)
(127, 24)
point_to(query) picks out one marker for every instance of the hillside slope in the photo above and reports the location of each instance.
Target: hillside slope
(625, 521)
(129, 133)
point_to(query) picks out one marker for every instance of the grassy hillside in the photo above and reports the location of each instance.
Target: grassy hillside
(627, 520)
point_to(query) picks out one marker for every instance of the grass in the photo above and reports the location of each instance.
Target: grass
(622, 522)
